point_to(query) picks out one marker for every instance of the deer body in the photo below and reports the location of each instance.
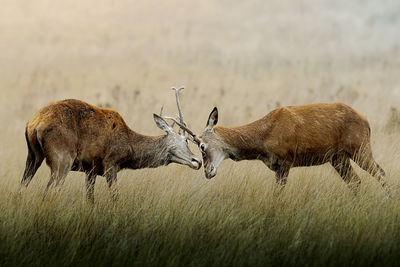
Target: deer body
(74, 135)
(295, 136)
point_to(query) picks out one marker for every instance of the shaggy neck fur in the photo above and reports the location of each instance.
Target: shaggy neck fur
(147, 151)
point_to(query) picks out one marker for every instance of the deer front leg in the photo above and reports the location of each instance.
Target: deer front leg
(111, 177)
(281, 175)
(90, 181)
(280, 168)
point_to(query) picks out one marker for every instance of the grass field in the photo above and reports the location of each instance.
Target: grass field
(246, 58)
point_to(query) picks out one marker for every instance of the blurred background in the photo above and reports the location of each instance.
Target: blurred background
(245, 57)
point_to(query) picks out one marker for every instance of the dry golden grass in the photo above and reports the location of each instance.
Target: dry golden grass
(244, 57)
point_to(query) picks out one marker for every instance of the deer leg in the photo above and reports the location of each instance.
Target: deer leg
(342, 165)
(90, 181)
(366, 161)
(60, 165)
(281, 175)
(111, 177)
(33, 162)
(379, 173)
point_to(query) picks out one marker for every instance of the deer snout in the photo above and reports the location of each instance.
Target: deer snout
(210, 171)
(196, 163)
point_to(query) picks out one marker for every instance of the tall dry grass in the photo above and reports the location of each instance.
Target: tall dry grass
(244, 57)
(172, 216)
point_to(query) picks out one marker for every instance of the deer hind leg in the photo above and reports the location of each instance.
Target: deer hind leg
(342, 165)
(33, 162)
(366, 161)
(60, 164)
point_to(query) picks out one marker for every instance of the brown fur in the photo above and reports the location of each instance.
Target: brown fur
(303, 136)
(74, 135)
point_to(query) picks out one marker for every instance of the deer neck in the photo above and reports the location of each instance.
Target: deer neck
(241, 143)
(147, 151)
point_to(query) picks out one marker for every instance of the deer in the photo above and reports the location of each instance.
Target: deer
(73, 135)
(294, 136)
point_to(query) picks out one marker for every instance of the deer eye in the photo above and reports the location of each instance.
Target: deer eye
(202, 147)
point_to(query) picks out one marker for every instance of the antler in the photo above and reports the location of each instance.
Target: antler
(194, 138)
(178, 103)
(161, 111)
(181, 123)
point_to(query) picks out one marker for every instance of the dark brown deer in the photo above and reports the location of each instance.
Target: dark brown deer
(294, 136)
(74, 135)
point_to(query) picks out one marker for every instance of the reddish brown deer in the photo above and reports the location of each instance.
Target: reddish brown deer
(74, 135)
(294, 136)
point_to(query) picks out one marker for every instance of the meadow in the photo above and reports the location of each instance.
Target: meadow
(246, 58)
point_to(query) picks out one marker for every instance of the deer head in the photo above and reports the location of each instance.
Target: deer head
(176, 146)
(178, 142)
(212, 147)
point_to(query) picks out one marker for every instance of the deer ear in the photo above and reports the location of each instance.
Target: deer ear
(212, 119)
(162, 124)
